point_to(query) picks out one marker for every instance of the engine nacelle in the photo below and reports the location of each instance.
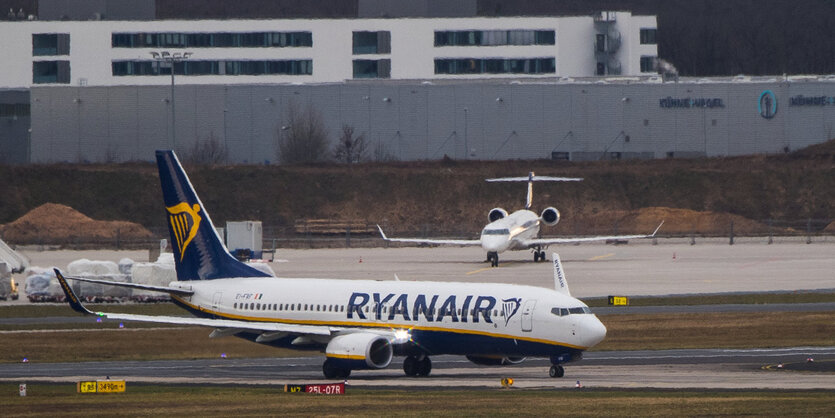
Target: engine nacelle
(550, 216)
(360, 351)
(495, 214)
(495, 360)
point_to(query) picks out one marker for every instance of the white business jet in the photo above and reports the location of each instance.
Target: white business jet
(358, 324)
(518, 230)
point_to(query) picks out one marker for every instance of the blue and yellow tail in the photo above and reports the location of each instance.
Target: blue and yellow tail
(199, 254)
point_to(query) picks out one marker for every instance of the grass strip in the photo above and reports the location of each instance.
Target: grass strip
(722, 299)
(180, 400)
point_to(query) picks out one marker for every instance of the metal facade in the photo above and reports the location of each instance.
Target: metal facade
(482, 120)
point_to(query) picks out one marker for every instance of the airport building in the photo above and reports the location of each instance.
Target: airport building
(92, 82)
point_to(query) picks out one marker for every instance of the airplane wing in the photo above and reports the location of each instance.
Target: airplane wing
(76, 305)
(164, 289)
(549, 241)
(430, 241)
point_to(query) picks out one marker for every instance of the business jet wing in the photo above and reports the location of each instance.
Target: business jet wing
(241, 325)
(430, 241)
(549, 241)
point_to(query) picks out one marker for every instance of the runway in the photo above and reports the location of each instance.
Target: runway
(707, 369)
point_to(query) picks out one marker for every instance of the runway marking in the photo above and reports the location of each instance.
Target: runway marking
(600, 257)
(490, 268)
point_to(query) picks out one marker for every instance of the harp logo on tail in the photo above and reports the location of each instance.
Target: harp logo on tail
(184, 222)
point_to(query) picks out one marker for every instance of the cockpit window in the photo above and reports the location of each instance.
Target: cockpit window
(496, 232)
(572, 311)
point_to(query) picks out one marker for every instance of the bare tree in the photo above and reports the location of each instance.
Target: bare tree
(207, 151)
(303, 138)
(349, 149)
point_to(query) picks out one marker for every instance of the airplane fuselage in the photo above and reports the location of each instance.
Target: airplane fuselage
(510, 232)
(437, 317)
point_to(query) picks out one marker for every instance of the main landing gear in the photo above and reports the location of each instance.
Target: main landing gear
(538, 254)
(493, 258)
(556, 371)
(414, 366)
(332, 371)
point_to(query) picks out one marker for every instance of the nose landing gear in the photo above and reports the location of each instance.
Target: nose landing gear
(493, 258)
(556, 371)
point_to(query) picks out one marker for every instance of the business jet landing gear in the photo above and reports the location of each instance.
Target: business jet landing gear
(413, 366)
(332, 371)
(493, 258)
(556, 371)
(538, 255)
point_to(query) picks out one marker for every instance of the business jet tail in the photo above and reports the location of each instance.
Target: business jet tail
(530, 179)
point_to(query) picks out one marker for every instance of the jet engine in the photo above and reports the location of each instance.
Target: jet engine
(360, 351)
(496, 214)
(550, 216)
(495, 360)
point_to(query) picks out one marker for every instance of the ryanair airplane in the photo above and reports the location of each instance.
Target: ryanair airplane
(518, 230)
(359, 324)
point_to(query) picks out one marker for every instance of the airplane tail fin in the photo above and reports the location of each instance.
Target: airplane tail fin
(199, 254)
(560, 284)
(530, 179)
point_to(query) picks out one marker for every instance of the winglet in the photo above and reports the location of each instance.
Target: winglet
(75, 303)
(656, 229)
(383, 234)
(560, 284)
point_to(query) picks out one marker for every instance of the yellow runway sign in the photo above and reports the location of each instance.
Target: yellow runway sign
(101, 386)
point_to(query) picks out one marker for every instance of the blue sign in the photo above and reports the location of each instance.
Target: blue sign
(767, 105)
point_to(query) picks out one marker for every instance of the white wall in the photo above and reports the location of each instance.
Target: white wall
(412, 42)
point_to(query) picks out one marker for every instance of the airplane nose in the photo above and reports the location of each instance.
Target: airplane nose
(593, 331)
(496, 244)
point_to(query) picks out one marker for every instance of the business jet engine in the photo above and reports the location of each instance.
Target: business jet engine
(495, 360)
(496, 214)
(360, 351)
(550, 216)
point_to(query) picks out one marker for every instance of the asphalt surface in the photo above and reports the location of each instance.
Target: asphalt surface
(707, 368)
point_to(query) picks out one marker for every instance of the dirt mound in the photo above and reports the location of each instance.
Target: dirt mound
(52, 223)
(676, 222)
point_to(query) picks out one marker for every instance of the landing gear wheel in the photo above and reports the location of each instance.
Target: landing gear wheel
(556, 371)
(424, 367)
(331, 371)
(536, 256)
(542, 256)
(410, 366)
(493, 258)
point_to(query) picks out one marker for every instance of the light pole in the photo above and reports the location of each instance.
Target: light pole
(466, 145)
(171, 59)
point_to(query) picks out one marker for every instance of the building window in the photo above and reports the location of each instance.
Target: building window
(372, 43)
(45, 72)
(495, 66)
(372, 68)
(272, 67)
(212, 40)
(648, 36)
(494, 37)
(13, 110)
(601, 68)
(45, 44)
(647, 64)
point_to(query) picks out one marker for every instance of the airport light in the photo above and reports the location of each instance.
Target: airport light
(171, 59)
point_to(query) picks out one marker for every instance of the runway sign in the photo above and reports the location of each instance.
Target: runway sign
(101, 386)
(324, 389)
(618, 300)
